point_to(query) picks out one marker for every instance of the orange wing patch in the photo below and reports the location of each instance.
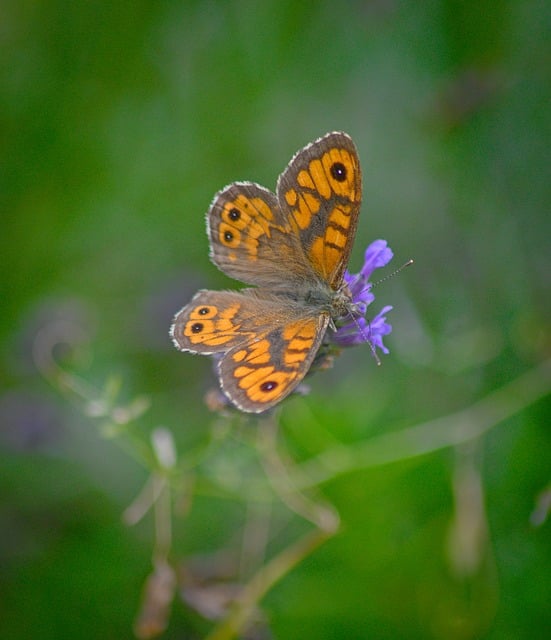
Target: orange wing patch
(320, 177)
(332, 176)
(259, 353)
(341, 170)
(256, 375)
(326, 251)
(304, 179)
(304, 205)
(266, 385)
(300, 338)
(207, 326)
(243, 221)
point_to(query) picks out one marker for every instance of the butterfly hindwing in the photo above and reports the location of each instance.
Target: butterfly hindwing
(264, 345)
(260, 373)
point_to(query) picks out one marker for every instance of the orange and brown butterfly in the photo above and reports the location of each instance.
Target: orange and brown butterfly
(294, 246)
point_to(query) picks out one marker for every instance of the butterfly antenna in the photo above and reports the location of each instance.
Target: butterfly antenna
(365, 337)
(355, 319)
(394, 273)
(373, 351)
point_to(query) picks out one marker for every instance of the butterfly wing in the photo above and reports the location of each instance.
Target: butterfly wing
(251, 239)
(320, 195)
(214, 322)
(266, 345)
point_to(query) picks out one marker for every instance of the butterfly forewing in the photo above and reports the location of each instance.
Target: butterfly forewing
(321, 190)
(250, 238)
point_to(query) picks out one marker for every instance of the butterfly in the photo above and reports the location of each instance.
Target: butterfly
(294, 247)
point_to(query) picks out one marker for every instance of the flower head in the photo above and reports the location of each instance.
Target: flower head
(358, 330)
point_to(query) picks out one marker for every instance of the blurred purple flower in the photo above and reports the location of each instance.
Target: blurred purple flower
(359, 330)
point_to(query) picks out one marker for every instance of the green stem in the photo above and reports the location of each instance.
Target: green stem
(264, 579)
(430, 436)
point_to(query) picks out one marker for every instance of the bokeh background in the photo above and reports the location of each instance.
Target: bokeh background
(119, 123)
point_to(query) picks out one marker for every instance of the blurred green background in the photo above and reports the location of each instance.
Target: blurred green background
(119, 123)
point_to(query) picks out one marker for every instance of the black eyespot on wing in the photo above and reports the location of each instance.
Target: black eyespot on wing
(270, 385)
(338, 171)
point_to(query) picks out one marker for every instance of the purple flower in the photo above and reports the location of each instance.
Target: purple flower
(359, 330)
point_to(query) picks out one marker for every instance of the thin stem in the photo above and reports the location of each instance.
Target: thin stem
(163, 521)
(264, 579)
(429, 436)
(279, 471)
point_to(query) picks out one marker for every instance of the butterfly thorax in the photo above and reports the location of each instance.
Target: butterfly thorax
(343, 307)
(320, 298)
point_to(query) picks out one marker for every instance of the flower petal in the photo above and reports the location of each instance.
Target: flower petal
(360, 330)
(377, 255)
